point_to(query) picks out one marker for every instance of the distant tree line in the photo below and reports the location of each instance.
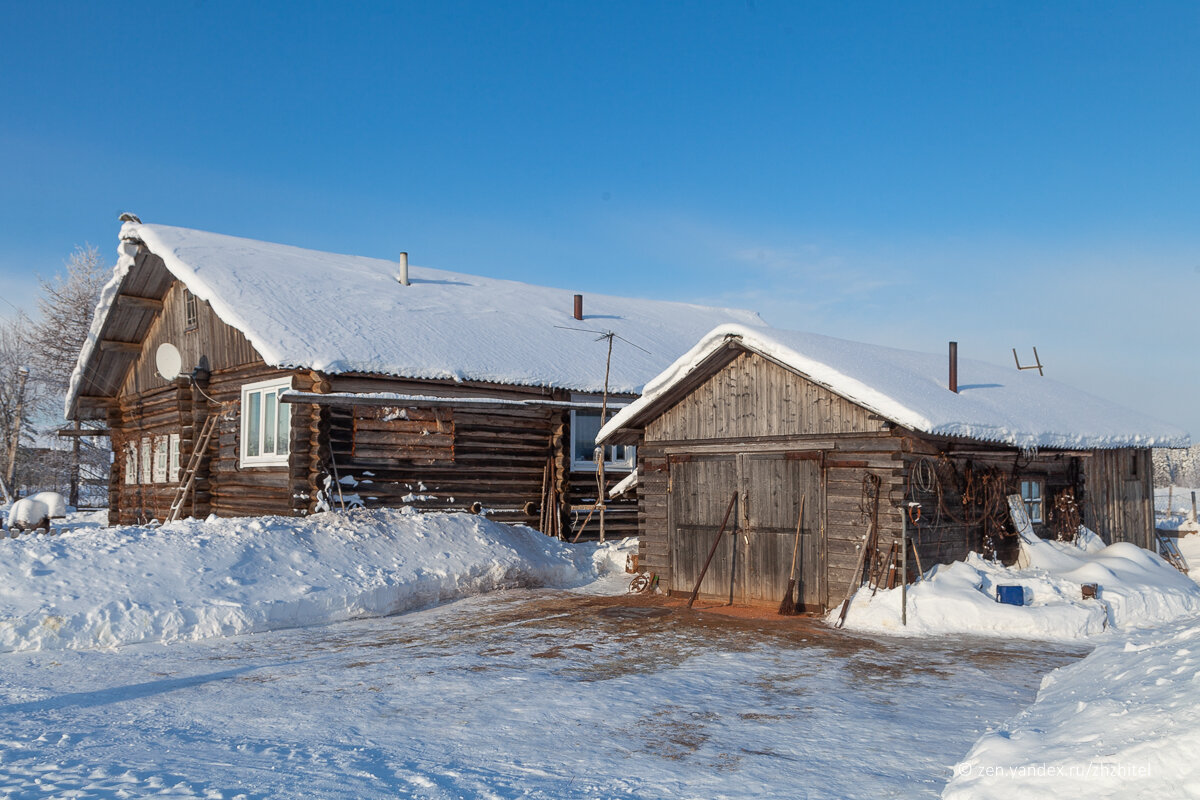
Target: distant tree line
(1177, 467)
(37, 355)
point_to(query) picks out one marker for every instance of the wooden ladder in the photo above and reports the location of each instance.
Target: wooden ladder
(189, 474)
(1170, 551)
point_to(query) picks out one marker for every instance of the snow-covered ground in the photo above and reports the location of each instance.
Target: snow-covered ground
(92, 586)
(253, 658)
(1120, 724)
(522, 693)
(1137, 589)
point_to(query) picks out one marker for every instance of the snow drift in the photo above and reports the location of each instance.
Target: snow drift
(1137, 589)
(1121, 723)
(101, 587)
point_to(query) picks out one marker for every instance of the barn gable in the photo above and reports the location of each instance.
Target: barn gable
(755, 397)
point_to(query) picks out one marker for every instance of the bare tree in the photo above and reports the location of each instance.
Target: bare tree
(65, 312)
(21, 400)
(65, 316)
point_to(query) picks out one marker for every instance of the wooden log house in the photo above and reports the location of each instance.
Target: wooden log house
(338, 380)
(866, 435)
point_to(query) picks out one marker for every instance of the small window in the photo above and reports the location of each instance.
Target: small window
(266, 424)
(1031, 493)
(585, 425)
(131, 463)
(161, 459)
(147, 461)
(173, 458)
(191, 316)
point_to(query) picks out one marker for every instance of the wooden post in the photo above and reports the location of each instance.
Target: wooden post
(1193, 506)
(73, 486)
(15, 439)
(602, 499)
(904, 566)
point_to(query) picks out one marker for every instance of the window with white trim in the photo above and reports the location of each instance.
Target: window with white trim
(147, 460)
(1031, 493)
(585, 424)
(191, 316)
(266, 424)
(161, 458)
(131, 463)
(173, 458)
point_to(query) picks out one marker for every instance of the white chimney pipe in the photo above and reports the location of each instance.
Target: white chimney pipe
(403, 276)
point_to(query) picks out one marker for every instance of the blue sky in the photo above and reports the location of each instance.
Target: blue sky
(1003, 174)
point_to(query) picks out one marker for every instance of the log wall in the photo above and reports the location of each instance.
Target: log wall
(494, 459)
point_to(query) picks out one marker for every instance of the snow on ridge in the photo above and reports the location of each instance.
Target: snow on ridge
(445, 325)
(1120, 723)
(126, 253)
(993, 404)
(103, 587)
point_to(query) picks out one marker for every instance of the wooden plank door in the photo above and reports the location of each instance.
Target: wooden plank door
(700, 489)
(772, 485)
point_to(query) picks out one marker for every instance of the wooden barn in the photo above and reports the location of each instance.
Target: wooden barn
(759, 420)
(308, 380)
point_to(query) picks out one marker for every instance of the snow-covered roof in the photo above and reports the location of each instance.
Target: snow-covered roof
(338, 313)
(993, 404)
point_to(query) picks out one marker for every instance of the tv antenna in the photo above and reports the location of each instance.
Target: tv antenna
(1037, 362)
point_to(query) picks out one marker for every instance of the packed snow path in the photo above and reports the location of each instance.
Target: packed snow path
(526, 693)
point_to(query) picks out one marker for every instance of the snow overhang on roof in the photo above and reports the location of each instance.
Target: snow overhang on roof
(994, 404)
(338, 313)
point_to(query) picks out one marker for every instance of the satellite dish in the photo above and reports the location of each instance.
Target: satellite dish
(168, 361)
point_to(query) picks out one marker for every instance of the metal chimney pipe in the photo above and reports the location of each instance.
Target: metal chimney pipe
(954, 367)
(403, 276)
(578, 306)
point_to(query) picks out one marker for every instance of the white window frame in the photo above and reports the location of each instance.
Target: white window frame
(173, 458)
(1033, 492)
(264, 389)
(191, 311)
(628, 453)
(161, 459)
(131, 463)
(146, 461)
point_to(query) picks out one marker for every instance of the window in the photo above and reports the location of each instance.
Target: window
(266, 424)
(131, 463)
(147, 459)
(191, 317)
(161, 458)
(173, 458)
(1031, 493)
(585, 424)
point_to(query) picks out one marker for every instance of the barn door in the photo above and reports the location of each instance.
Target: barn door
(753, 565)
(772, 485)
(700, 490)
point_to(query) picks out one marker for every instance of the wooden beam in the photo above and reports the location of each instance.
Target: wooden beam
(144, 303)
(95, 401)
(113, 346)
(68, 433)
